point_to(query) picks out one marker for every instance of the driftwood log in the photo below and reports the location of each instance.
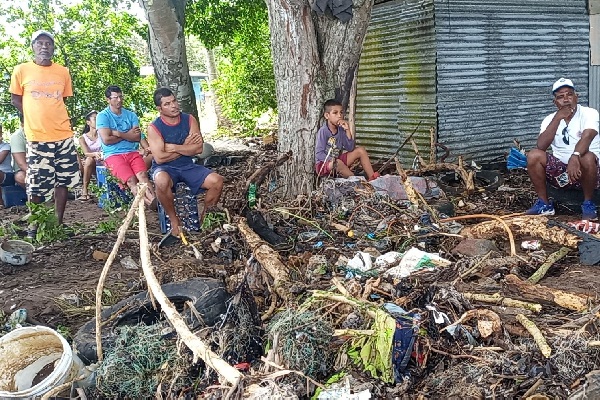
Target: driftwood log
(268, 259)
(543, 294)
(260, 174)
(194, 343)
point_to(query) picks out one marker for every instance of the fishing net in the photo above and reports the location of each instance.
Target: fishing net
(138, 362)
(302, 341)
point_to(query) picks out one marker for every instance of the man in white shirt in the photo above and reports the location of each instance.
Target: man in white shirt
(572, 134)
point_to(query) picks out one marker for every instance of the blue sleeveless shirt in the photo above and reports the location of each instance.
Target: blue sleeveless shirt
(174, 134)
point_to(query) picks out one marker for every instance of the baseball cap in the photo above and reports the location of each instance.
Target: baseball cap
(39, 33)
(561, 83)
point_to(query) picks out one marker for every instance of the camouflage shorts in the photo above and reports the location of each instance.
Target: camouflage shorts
(50, 165)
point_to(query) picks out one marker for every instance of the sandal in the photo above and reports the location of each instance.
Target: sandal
(84, 197)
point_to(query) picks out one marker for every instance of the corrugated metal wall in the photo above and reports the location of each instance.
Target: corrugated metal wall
(396, 79)
(496, 62)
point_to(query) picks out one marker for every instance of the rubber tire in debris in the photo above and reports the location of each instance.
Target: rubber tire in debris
(569, 199)
(208, 296)
(488, 180)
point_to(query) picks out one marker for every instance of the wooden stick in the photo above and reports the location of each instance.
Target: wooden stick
(362, 305)
(411, 193)
(533, 388)
(554, 257)
(193, 342)
(473, 269)
(511, 239)
(111, 258)
(544, 294)
(433, 148)
(503, 301)
(353, 332)
(268, 259)
(399, 148)
(536, 333)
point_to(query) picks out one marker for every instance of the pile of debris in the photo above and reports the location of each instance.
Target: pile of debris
(369, 290)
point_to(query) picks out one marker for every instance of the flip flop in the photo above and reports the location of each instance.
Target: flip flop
(168, 240)
(86, 197)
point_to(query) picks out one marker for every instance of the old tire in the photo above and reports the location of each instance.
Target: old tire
(208, 296)
(487, 180)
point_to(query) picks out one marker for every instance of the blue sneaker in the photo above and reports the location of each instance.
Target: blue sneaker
(541, 208)
(588, 210)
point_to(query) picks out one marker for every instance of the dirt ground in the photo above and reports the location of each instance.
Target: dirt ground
(58, 287)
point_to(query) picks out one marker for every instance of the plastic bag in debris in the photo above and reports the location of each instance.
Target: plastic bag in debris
(414, 260)
(388, 260)
(16, 320)
(361, 262)
(342, 391)
(516, 159)
(392, 186)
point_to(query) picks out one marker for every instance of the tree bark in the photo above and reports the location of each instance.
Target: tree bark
(166, 20)
(213, 74)
(314, 58)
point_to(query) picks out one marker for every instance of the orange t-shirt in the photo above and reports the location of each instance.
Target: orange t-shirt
(44, 110)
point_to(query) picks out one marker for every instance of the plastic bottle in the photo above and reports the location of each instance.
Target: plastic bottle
(252, 195)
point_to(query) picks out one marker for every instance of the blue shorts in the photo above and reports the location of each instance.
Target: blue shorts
(9, 179)
(193, 175)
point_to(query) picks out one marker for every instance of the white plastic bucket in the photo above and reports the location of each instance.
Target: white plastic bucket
(34, 360)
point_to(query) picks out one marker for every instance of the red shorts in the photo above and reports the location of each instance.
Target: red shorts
(124, 166)
(322, 167)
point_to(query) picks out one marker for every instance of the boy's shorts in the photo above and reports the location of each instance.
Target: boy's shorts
(193, 175)
(322, 167)
(125, 166)
(50, 165)
(555, 167)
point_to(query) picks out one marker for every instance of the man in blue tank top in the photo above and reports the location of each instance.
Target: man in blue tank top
(175, 137)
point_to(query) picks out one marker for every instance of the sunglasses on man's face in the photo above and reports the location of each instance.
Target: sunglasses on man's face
(566, 135)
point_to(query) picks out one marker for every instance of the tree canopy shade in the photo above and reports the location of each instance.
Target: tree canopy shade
(93, 39)
(239, 31)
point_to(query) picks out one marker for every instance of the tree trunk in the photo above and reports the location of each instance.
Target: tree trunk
(314, 58)
(213, 74)
(166, 19)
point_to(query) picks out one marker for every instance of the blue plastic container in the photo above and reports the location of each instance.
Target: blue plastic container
(13, 196)
(186, 207)
(114, 193)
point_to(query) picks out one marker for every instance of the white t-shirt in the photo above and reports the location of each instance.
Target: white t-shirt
(584, 118)
(6, 165)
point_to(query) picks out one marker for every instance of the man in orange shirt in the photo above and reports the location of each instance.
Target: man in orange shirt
(38, 89)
